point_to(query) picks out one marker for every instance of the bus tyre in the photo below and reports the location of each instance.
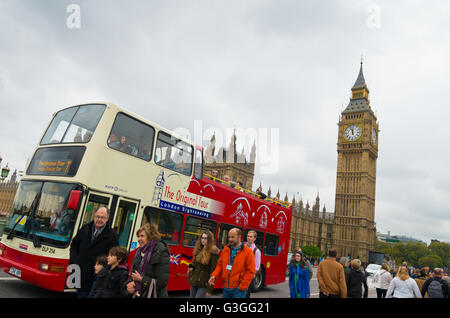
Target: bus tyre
(260, 280)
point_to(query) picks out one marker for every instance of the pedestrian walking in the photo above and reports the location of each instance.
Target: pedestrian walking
(150, 266)
(355, 280)
(403, 286)
(204, 262)
(308, 263)
(236, 265)
(344, 262)
(94, 239)
(331, 278)
(382, 279)
(421, 279)
(251, 239)
(299, 276)
(435, 286)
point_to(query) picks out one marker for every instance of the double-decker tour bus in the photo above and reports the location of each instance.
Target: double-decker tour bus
(96, 155)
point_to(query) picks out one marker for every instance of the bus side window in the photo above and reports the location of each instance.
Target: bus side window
(271, 245)
(169, 224)
(198, 168)
(193, 229)
(222, 236)
(259, 238)
(130, 136)
(173, 154)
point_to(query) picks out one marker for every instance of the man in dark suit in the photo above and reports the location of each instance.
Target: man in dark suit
(93, 239)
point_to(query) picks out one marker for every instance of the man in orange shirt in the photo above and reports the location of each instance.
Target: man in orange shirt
(236, 265)
(331, 278)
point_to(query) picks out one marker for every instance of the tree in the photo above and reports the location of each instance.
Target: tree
(312, 251)
(383, 247)
(441, 249)
(431, 261)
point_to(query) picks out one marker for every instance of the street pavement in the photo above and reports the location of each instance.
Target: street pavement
(281, 290)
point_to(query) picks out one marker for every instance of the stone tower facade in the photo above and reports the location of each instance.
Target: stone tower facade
(228, 161)
(357, 148)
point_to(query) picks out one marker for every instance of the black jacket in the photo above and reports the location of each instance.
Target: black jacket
(98, 285)
(115, 283)
(83, 252)
(355, 280)
(158, 269)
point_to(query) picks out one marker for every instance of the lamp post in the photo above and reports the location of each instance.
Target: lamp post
(4, 171)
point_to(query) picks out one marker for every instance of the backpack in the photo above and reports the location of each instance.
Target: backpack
(435, 289)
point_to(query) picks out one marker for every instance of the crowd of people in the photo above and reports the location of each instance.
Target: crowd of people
(342, 278)
(105, 273)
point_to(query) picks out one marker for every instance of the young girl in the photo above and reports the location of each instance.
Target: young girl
(205, 259)
(298, 277)
(115, 282)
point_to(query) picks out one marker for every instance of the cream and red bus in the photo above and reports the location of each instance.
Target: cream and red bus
(99, 154)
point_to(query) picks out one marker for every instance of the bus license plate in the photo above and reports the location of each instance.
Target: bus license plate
(16, 272)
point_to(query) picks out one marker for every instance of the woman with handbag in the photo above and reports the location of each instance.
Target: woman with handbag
(206, 255)
(150, 266)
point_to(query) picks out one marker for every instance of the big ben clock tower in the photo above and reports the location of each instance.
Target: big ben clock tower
(357, 148)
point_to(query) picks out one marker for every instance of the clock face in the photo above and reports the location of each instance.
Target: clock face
(352, 133)
(374, 136)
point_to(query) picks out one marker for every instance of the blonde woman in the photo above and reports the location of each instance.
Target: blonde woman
(382, 280)
(206, 255)
(403, 286)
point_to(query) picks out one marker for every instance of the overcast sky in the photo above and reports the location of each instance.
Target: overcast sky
(283, 66)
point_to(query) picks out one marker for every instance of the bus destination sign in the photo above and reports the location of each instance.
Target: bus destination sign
(59, 167)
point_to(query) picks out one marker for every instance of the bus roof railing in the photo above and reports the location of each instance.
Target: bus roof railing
(235, 186)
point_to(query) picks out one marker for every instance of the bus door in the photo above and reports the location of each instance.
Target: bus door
(124, 220)
(95, 201)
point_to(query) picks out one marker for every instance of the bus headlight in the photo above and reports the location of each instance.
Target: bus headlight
(1, 251)
(43, 267)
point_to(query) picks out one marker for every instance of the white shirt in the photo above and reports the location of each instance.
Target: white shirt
(382, 279)
(403, 289)
(257, 256)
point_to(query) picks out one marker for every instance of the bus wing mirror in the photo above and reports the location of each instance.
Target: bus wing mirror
(74, 200)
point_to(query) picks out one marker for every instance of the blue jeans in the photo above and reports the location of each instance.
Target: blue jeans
(197, 292)
(234, 293)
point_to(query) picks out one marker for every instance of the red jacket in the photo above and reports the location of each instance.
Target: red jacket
(242, 272)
